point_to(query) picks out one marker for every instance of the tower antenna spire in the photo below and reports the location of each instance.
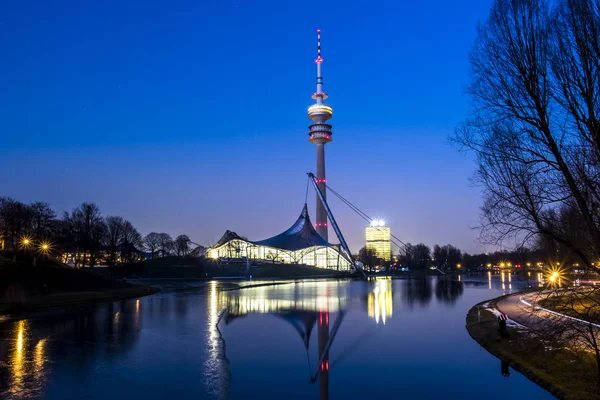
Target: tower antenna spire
(320, 135)
(319, 59)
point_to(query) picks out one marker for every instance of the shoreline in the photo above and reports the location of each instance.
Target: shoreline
(63, 302)
(527, 354)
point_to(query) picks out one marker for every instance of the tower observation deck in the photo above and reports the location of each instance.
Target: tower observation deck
(320, 134)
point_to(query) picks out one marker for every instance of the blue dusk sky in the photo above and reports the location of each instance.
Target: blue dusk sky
(190, 116)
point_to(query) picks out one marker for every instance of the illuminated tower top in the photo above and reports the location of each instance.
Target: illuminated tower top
(319, 113)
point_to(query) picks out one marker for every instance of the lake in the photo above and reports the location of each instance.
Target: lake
(380, 338)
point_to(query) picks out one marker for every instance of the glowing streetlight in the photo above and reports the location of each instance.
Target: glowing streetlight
(555, 276)
(458, 265)
(45, 247)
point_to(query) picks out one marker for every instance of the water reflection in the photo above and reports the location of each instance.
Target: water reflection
(216, 367)
(447, 291)
(417, 291)
(27, 346)
(316, 306)
(159, 342)
(380, 303)
(319, 303)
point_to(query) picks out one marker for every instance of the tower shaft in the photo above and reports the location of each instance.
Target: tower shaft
(321, 213)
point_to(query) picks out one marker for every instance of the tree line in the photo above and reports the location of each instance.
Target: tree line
(535, 126)
(449, 258)
(85, 233)
(419, 256)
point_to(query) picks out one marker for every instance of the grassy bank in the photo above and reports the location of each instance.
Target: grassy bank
(25, 287)
(562, 372)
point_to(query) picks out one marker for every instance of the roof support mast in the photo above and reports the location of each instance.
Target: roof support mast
(333, 223)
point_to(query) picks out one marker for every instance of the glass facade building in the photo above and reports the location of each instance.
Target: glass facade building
(300, 244)
(378, 238)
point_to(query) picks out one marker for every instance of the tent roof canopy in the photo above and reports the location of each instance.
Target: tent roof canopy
(300, 235)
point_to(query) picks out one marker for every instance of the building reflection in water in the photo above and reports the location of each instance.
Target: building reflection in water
(25, 359)
(27, 346)
(310, 303)
(379, 300)
(216, 367)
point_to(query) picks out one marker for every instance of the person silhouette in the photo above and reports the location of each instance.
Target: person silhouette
(504, 369)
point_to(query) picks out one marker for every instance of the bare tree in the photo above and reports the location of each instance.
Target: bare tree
(534, 129)
(97, 238)
(165, 244)
(182, 245)
(152, 242)
(131, 244)
(114, 238)
(447, 257)
(15, 220)
(86, 224)
(43, 220)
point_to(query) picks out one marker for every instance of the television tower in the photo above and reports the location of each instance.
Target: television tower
(320, 134)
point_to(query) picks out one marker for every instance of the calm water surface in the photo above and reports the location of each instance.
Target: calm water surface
(312, 340)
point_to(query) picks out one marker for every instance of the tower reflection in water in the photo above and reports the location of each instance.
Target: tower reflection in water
(310, 303)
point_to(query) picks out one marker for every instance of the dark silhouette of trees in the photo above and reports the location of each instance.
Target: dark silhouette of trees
(132, 243)
(415, 256)
(43, 220)
(182, 245)
(534, 129)
(368, 257)
(84, 233)
(160, 243)
(165, 244)
(114, 238)
(447, 257)
(15, 220)
(152, 243)
(87, 229)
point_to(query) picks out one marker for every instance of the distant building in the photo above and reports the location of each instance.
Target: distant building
(379, 239)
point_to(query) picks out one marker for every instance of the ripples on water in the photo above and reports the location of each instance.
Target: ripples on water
(338, 339)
